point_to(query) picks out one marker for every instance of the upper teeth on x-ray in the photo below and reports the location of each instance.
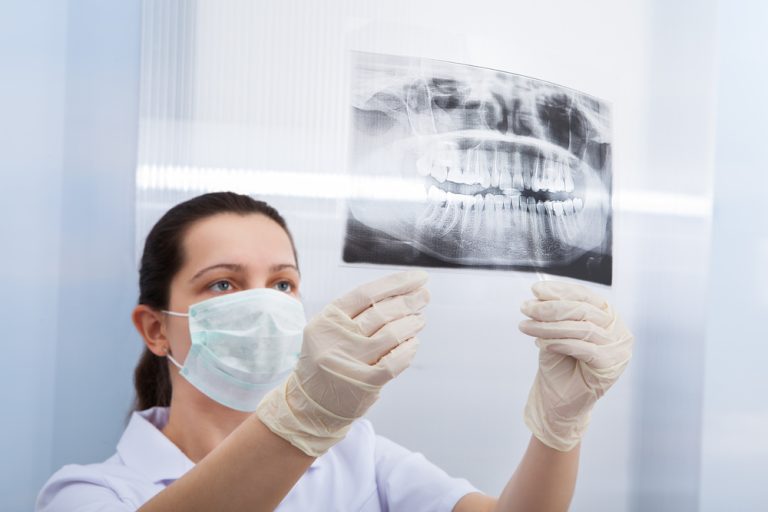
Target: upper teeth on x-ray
(515, 172)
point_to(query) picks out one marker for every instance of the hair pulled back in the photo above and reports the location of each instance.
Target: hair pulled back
(162, 258)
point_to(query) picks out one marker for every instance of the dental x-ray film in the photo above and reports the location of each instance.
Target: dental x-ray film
(477, 168)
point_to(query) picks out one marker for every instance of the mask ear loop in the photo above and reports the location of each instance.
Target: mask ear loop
(172, 360)
(173, 313)
(168, 349)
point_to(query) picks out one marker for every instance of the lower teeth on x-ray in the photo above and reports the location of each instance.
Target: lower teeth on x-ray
(497, 170)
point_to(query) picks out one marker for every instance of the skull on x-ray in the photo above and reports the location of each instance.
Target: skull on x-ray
(515, 171)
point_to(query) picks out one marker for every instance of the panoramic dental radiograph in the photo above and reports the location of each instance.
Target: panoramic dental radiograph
(496, 170)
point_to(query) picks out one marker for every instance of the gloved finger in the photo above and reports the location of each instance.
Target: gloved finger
(590, 354)
(395, 361)
(578, 349)
(585, 331)
(559, 290)
(362, 297)
(391, 335)
(555, 310)
(387, 310)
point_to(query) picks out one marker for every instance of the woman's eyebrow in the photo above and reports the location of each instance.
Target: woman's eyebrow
(234, 267)
(282, 266)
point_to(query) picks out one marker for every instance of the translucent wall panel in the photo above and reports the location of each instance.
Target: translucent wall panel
(734, 446)
(69, 98)
(253, 97)
(32, 101)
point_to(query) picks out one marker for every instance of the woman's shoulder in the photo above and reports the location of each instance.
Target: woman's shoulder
(363, 449)
(143, 461)
(363, 440)
(98, 473)
(358, 445)
(110, 482)
(362, 428)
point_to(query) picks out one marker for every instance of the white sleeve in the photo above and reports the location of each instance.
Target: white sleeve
(71, 490)
(408, 481)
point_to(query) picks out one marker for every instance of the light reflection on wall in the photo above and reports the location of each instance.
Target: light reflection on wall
(320, 185)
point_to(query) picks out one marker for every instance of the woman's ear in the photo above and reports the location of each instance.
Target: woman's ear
(149, 323)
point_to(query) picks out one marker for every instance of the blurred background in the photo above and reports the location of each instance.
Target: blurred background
(111, 112)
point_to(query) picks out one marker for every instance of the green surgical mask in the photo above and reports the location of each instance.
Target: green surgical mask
(243, 345)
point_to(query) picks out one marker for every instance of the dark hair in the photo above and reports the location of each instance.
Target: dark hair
(163, 256)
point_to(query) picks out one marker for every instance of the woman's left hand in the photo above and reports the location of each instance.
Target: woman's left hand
(584, 348)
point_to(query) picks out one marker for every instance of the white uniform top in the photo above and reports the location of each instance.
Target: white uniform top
(363, 472)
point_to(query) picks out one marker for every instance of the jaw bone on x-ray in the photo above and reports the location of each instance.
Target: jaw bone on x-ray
(512, 172)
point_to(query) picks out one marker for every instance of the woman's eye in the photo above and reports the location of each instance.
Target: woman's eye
(221, 286)
(284, 286)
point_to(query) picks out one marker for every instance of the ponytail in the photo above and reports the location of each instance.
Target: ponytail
(162, 259)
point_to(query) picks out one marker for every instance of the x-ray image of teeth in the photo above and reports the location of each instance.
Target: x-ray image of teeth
(511, 172)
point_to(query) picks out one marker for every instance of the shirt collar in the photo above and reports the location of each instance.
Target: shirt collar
(146, 449)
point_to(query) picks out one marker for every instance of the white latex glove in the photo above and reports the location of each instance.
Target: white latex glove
(351, 349)
(583, 348)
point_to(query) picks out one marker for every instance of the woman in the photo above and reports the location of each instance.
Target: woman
(241, 406)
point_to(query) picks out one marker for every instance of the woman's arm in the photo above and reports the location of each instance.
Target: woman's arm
(253, 469)
(543, 482)
(350, 350)
(584, 348)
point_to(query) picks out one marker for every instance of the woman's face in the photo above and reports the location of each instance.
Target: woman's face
(223, 254)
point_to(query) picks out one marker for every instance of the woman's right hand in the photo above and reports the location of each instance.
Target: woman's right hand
(351, 349)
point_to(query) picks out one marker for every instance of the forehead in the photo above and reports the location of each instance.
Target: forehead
(233, 238)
